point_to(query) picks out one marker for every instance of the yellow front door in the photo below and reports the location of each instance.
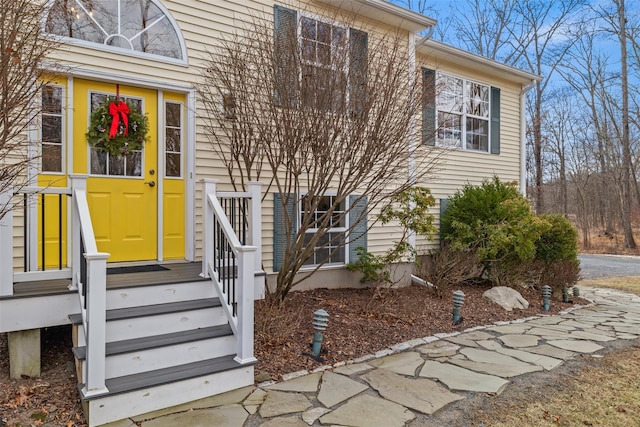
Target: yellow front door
(122, 191)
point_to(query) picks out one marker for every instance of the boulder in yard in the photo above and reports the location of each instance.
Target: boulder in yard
(507, 298)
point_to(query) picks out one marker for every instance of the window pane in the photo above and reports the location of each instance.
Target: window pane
(478, 100)
(133, 162)
(52, 129)
(173, 140)
(324, 33)
(172, 168)
(51, 158)
(450, 130)
(116, 165)
(133, 25)
(52, 100)
(172, 114)
(98, 162)
(308, 28)
(477, 134)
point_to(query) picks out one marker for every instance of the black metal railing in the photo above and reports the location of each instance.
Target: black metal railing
(41, 215)
(225, 265)
(237, 211)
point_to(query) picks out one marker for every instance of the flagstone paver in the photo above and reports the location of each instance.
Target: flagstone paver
(312, 415)
(228, 416)
(283, 422)
(337, 388)
(401, 363)
(458, 378)
(546, 362)
(592, 336)
(519, 328)
(577, 346)
(439, 349)
(355, 368)
(367, 411)
(306, 383)
(280, 403)
(555, 352)
(420, 394)
(519, 341)
(492, 363)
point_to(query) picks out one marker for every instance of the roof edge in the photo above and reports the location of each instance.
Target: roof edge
(407, 19)
(461, 55)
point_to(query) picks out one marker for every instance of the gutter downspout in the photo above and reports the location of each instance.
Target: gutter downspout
(523, 137)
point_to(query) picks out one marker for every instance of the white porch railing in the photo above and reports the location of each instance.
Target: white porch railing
(89, 273)
(233, 265)
(85, 266)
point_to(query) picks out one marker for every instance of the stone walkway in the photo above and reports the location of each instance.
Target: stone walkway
(394, 386)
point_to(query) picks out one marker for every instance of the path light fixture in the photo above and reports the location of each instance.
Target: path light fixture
(565, 294)
(320, 323)
(458, 300)
(546, 297)
(576, 291)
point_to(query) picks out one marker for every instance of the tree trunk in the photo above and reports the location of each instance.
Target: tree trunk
(629, 242)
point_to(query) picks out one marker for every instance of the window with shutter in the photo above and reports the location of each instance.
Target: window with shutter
(331, 249)
(463, 115)
(331, 69)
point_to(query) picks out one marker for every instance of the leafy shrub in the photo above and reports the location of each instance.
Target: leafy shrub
(559, 242)
(411, 209)
(495, 221)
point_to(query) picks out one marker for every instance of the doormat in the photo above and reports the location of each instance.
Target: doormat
(136, 269)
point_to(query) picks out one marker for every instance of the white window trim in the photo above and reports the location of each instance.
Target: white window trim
(128, 52)
(63, 133)
(331, 230)
(347, 32)
(164, 132)
(464, 114)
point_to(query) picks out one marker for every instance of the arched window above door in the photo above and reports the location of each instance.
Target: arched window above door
(141, 27)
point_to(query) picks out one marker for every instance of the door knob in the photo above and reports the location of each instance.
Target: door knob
(151, 183)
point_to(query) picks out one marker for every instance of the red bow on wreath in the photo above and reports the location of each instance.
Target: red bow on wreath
(116, 110)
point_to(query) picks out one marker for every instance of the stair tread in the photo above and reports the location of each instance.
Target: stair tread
(154, 309)
(168, 375)
(156, 341)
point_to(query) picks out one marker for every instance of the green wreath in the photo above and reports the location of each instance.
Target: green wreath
(116, 128)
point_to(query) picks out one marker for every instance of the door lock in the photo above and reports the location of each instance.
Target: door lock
(151, 183)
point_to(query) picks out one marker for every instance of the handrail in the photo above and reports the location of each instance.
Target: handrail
(89, 275)
(231, 267)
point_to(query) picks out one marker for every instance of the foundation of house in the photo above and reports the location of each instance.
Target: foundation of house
(24, 353)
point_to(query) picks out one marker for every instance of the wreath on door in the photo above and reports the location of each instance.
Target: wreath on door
(116, 128)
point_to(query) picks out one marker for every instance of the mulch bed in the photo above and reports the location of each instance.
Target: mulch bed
(363, 321)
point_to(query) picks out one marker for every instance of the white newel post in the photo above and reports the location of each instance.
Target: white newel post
(78, 182)
(208, 187)
(96, 323)
(6, 243)
(255, 190)
(246, 273)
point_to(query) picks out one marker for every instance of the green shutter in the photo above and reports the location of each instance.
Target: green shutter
(285, 44)
(428, 106)
(279, 225)
(358, 70)
(358, 225)
(495, 120)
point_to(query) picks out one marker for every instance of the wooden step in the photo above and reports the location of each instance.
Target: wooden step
(157, 341)
(162, 351)
(142, 393)
(157, 319)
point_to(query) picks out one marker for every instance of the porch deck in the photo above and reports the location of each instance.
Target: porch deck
(173, 272)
